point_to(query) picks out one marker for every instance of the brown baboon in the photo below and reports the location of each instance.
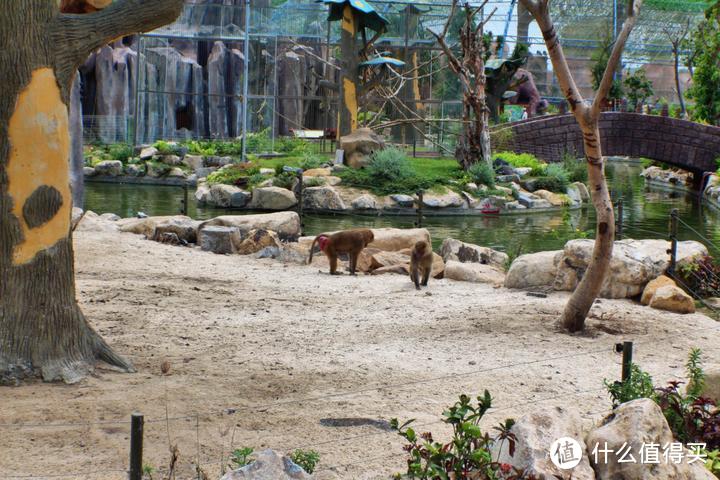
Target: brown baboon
(421, 260)
(350, 242)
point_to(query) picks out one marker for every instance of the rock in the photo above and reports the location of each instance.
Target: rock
(672, 299)
(148, 152)
(365, 202)
(203, 172)
(317, 172)
(470, 200)
(76, 216)
(110, 217)
(273, 198)
(512, 178)
(473, 272)
(515, 206)
(172, 160)
(221, 240)
(268, 465)
(92, 222)
(359, 146)
(533, 270)
(455, 250)
(267, 171)
(285, 224)
(574, 194)
(110, 168)
(222, 195)
(89, 172)
(240, 199)
(387, 259)
(134, 170)
(322, 199)
(652, 287)
(634, 264)
(449, 199)
(183, 228)
(711, 389)
(535, 433)
(634, 424)
(530, 200)
(194, 161)
(398, 269)
(405, 201)
(522, 171)
(555, 199)
(582, 188)
(257, 240)
(395, 239)
(203, 195)
(176, 172)
(331, 180)
(505, 190)
(156, 170)
(146, 226)
(213, 161)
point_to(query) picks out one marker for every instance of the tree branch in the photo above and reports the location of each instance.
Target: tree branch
(614, 60)
(80, 35)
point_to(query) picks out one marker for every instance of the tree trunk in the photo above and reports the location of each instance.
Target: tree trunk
(42, 330)
(588, 117)
(678, 86)
(349, 75)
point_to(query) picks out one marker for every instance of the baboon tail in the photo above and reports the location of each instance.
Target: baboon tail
(312, 248)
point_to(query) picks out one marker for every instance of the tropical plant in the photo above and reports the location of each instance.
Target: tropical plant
(120, 151)
(307, 459)
(523, 160)
(639, 385)
(639, 88)
(241, 456)
(235, 174)
(701, 277)
(467, 455)
(704, 47)
(482, 174)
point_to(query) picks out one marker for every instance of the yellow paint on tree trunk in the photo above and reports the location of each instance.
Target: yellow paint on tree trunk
(419, 107)
(350, 97)
(39, 155)
(349, 23)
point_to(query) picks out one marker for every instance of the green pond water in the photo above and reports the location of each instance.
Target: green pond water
(646, 215)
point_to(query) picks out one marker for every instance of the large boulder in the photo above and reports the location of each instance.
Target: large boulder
(285, 224)
(221, 240)
(533, 270)
(317, 172)
(365, 202)
(402, 200)
(554, 199)
(535, 433)
(711, 389)
(652, 287)
(194, 161)
(257, 240)
(458, 251)
(269, 465)
(185, 230)
(529, 200)
(359, 146)
(109, 168)
(322, 199)
(381, 259)
(148, 152)
(633, 425)
(449, 199)
(582, 189)
(203, 195)
(146, 226)
(473, 272)
(92, 222)
(633, 265)
(672, 299)
(222, 195)
(394, 239)
(273, 198)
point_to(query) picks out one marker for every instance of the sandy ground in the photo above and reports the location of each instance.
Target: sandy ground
(270, 355)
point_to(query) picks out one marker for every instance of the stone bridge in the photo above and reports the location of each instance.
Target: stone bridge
(687, 145)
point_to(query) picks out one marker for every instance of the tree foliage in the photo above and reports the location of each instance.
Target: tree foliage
(639, 88)
(705, 46)
(600, 61)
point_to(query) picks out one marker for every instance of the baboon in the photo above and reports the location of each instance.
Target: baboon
(350, 242)
(421, 260)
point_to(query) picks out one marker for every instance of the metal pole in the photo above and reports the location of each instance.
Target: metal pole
(673, 240)
(246, 80)
(419, 209)
(619, 234)
(627, 351)
(140, 63)
(507, 26)
(136, 446)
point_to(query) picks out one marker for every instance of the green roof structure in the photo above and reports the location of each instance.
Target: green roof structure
(369, 17)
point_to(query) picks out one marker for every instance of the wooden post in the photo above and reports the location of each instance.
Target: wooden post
(136, 446)
(419, 209)
(627, 351)
(349, 75)
(673, 240)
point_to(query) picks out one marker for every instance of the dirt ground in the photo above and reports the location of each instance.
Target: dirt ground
(269, 355)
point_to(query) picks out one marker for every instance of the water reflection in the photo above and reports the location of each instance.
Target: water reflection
(646, 215)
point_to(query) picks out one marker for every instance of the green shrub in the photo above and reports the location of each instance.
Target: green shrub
(120, 151)
(236, 174)
(639, 385)
(166, 148)
(226, 148)
(259, 141)
(309, 162)
(196, 147)
(482, 174)
(556, 179)
(284, 179)
(308, 460)
(293, 146)
(314, 182)
(576, 168)
(389, 165)
(466, 455)
(241, 457)
(523, 160)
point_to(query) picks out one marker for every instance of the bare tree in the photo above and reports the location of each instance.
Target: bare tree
(588, 117)
(474, 143)
(42, 329)
(677, 37)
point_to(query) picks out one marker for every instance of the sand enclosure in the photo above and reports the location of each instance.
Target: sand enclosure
(264, 354)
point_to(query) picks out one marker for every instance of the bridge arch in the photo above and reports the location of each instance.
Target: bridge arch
(681, 143)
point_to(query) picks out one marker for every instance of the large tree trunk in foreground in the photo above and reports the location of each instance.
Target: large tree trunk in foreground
(42, 330)
(588, 117)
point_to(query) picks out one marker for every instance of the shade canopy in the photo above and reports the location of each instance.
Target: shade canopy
(369, 18)
(383, 61)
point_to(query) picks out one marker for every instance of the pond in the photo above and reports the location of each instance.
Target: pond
(646, 215)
